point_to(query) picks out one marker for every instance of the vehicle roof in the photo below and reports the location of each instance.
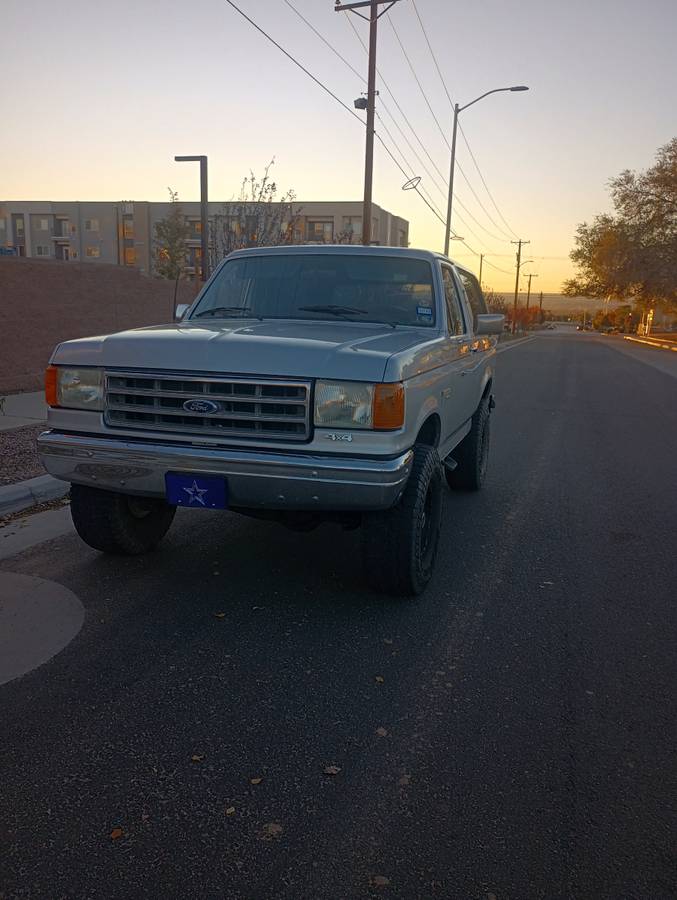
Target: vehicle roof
(343, 250)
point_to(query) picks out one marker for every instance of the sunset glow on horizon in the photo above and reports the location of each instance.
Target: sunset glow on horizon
(106, 96)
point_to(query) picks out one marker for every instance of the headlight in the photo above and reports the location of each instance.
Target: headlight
(74, 388)
(352, 404)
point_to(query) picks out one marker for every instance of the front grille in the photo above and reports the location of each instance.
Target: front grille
(237, 407)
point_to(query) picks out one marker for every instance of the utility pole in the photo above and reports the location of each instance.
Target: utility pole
(517, 280)
(530, 276)
(374, 16)
(481, 261)
(540, 307)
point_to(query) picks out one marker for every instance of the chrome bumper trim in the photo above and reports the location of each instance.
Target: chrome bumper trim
(256, 478)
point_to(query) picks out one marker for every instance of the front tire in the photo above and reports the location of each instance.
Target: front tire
(119, 523)
(399, 545)
(472, 454)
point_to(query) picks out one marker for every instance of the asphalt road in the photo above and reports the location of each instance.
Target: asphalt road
(525, 702)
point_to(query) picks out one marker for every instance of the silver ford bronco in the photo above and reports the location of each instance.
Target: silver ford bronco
(304, 384)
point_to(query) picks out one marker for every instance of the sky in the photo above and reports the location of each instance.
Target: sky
(99, 98)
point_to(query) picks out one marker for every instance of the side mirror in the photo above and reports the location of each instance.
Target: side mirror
(181, 310)
(490, 323)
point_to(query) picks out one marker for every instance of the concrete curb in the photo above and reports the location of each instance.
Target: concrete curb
(24, 494)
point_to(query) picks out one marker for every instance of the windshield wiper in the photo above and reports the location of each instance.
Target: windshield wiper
(334, 310)
(229, 309)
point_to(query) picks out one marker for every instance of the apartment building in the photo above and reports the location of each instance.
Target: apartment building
(122, 233)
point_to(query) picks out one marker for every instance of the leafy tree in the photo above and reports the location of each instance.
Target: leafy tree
(258, 218)
(170, 250)
(632, 254)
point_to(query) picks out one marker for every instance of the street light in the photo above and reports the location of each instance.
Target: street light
(459, 109)
(204, 220)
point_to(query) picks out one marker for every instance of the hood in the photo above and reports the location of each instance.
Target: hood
(298, 349)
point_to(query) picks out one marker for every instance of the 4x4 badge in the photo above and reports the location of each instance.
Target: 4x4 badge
(334, 436)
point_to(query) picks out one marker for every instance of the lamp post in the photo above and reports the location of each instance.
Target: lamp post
(204, 219)
(459, 109)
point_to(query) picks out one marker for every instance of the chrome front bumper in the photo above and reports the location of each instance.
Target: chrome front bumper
(257, 479)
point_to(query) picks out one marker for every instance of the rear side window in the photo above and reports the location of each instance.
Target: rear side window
(473, 292)
(454, 315)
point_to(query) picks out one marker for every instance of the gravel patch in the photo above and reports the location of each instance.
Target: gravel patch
(19, 454)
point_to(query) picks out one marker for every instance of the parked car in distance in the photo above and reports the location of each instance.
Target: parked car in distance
(304, 384)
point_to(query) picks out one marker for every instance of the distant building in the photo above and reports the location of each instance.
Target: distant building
(123, 233)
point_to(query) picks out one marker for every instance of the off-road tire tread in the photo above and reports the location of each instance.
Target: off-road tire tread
(103, 520)
(467, 475)
(388, 536)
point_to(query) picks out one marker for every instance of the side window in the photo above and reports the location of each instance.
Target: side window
(474, 294)
(454, 315)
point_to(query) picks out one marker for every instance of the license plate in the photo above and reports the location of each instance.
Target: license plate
(196, 491)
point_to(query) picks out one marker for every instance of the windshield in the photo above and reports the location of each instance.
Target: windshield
(391, 290)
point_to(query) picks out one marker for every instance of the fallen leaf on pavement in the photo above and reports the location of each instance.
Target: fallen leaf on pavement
(404, 781)
(219, 615)
(256, 780)
(381, 732)
(271, 830)
(230, 811)
(332, 770)
(379, 880)
(387, 640)
(380, 679)
(116, 833)
(197, 757)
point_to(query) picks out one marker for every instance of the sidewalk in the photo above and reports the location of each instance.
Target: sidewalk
(22, 409)
(23, 483)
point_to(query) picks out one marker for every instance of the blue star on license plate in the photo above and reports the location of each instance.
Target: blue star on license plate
(196, 491)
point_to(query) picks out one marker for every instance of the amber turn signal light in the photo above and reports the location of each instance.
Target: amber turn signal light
(388, 406)
(50, 386)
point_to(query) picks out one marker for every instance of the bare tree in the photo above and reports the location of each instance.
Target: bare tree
(258, 218)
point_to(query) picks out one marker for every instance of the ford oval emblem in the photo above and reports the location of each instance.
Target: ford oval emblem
(201, 406)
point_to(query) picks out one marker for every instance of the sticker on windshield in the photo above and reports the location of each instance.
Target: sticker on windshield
(424, 311)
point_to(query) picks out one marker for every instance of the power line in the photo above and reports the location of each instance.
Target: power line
(295, 61)
(325, 41)
(443, 133)
(442, 190)
(434, 208)
(330, 92)
(465, 139)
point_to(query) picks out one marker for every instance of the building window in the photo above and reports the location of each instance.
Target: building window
(128, 227)
(63, 227)
(41, 250)
(19, 225)
(2, 225)
(130, 256)
(42, 224)
(197, 227)
(321, 230)
(93, 252)
(91, 224)
(353, 225)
